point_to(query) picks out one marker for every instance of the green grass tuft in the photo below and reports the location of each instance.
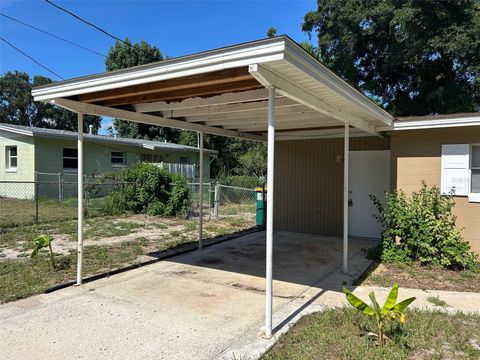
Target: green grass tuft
(340, 334)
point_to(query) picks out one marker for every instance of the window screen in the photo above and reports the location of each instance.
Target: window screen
(12, 157)
(117, 157)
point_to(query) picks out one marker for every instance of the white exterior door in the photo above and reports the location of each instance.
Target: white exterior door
(369, 173)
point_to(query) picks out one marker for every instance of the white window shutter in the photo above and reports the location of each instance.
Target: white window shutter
(455, 169)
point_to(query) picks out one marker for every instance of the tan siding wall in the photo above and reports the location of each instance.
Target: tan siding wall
(416, 156)
(309, 183)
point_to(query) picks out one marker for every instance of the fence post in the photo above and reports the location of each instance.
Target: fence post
(217, 200)
(209, 201)
(264, 206)
(36, 197)
(62, 185)
(59, 187)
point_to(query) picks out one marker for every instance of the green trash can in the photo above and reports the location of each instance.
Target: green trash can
(261, 203)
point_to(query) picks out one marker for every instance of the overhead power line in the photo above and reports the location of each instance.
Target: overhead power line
(31, 58)
(87, 22)
(53, 35)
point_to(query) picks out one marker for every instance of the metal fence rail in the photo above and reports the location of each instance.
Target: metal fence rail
(30, 202)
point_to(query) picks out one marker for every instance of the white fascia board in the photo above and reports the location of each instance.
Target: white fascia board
(435, 123)
(233, 57)
(16, 131)
(300, 59)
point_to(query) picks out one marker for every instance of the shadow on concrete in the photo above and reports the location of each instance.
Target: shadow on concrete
(302, 259)
(300, 262)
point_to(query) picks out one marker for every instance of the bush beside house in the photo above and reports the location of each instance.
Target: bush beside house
(421, 228)
(146, 188)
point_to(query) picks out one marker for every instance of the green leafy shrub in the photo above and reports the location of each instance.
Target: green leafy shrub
(245, 181)
(421, 228)
(179, 198)
(390, 310)
(43, 241)
(146, 188)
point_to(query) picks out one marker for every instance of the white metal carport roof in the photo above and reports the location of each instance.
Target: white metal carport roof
(223, 92)
(268, 87)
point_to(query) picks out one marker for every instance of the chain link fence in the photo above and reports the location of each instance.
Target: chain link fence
(33, 202)
(234, 202)
(55, 199)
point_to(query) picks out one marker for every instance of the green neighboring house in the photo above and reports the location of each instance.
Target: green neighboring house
(31, 153)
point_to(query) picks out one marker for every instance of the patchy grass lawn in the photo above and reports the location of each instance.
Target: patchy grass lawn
(421, 277)
(18, 212)
(339, 334)
(109, 243)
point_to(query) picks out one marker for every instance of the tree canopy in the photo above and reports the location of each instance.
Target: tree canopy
(230, 150)
(412, 57)
(17, 105)
(125, 55)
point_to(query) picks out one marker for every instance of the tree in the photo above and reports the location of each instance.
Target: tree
(124, 55)
(229, 150)
(271, 32)
(17, 105)
(254, 161)
(413, 57)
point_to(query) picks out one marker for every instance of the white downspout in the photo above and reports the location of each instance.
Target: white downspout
(345, 196)
(200, 215)
(269, 234)
(80, 199)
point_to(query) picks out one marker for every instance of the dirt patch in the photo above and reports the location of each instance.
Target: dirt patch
(106, 232)
(421, 277)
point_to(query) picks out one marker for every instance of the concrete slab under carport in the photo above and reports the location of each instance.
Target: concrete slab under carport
(192, 306)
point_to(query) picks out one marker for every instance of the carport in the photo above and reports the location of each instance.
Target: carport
(267, 90)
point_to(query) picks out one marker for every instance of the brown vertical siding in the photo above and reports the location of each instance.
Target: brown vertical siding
(416, 156)
(309, 183)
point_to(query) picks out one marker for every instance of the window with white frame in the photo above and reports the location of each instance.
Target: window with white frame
(11, 158)
(70, 158)
(118, 158)
(461, 170)
(184, 160)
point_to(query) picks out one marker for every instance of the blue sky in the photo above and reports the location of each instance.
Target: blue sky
(176, 27)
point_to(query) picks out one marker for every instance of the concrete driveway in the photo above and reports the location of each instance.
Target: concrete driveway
(192, 306)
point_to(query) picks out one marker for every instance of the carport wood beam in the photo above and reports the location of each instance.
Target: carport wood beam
(293, 91)
(100, 110)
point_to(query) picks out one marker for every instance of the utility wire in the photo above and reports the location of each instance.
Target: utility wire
(87, 22)
(31, 58)
(53, 35)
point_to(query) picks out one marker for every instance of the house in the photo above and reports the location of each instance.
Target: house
(442, 150)
(329, 146)
(31, 153)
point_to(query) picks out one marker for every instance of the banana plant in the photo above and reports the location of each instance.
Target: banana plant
(391, 310)
(41, 242)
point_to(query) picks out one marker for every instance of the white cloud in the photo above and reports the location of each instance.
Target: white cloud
(106, 126)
